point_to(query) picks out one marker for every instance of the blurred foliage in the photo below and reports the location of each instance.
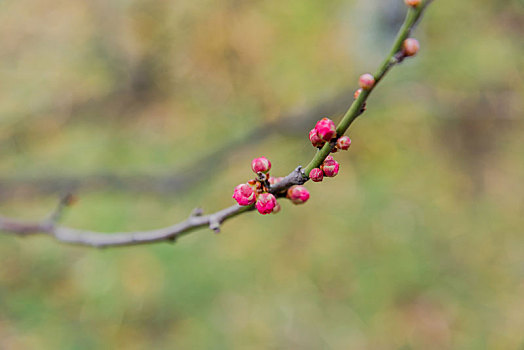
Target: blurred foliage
(416, 244)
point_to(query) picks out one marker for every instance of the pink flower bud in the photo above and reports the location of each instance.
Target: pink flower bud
(357, 93)
(266, 202)
(412, 3)
(366, 81)
(343, 143)
(329, 159)
(326, 129)
(410, 47)
(244, 194)
(316, 141)
(316, 175)
(261, 164)
(298, 194)
(273, 180)
(330, 168)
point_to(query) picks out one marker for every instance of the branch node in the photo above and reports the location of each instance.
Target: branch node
(65, 201)
(261, 176)
(301, 175)
(397, 58)
(197, 212)
(214, 224)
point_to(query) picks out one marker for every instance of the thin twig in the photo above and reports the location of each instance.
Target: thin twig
(100, 239)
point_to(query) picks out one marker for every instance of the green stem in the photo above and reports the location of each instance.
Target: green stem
(357, 106)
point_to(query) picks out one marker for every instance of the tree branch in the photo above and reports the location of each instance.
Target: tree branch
(98, 239)
(196, 220)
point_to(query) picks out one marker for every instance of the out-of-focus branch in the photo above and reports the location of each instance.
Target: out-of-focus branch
(180, 180)
(490, 104)
(197, 220)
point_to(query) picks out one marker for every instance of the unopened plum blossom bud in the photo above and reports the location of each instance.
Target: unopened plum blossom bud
(366, 81)
(298, 194)
(326, 129)
(330, 168)
(329, 159)
(412, 3)
(273, 180)
(316, 175)
(266, 202)
(357, 93)
(261, 164)
(244, 194)
(410, 47)
(343, 143)
(316, 141)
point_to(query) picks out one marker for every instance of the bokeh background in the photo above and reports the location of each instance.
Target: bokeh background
(149, 108)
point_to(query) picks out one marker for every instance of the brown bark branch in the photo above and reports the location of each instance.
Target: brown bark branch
(100, 239)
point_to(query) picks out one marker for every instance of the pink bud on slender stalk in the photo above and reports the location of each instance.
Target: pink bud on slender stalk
(266, 202)
(366, 81)
(343, 143)
(298, 194)
(316, 175)
(410, 47)
(261, 164)
(326, 129)
(316, 141)
(330, 167)
(244, 194)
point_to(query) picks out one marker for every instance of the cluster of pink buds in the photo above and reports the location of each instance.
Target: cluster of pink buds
(328, 169)
(323, 132)
(256, 191)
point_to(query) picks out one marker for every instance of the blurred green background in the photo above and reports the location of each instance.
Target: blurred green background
(147, 109)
